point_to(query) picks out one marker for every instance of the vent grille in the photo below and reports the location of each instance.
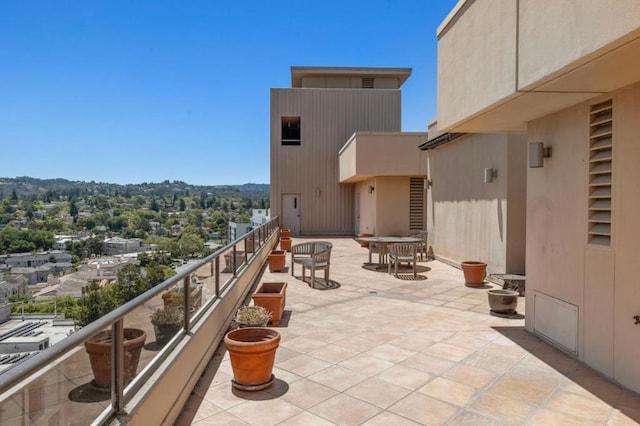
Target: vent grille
(600, 172)
(416, 204)
(367, 83)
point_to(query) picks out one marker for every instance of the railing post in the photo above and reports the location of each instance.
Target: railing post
(217, 279)
(233, 260)
(187, 302)
(117, 367)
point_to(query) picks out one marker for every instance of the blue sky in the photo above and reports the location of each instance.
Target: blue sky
(144, 91)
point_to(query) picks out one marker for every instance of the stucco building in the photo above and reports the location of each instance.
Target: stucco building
(310, 123)
(568, 74)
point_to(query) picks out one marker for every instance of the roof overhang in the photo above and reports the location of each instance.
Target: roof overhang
(298, 72)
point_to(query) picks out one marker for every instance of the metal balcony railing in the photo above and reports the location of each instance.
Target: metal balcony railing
(55, 386)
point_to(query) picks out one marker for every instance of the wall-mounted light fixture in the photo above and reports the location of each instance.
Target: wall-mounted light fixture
(370, 189)
(537, 153)
(426, 184)
(318, 192)
(489, 174)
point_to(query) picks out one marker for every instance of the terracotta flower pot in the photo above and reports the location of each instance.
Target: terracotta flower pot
(272, 297)
(285, 243)
(474, 272)
(250, 245)
(99, 349)
(285, 233)
(503, 301)
(277, 260)
(252, 352)
(364, 243)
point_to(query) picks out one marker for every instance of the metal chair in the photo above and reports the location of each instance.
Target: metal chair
(402, 252)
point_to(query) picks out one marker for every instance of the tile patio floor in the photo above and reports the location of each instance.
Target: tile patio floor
(377, 350)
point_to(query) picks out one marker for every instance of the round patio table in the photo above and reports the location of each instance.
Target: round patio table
(382, 243)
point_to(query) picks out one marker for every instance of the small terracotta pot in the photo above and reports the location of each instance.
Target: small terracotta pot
(364, 243)
(474, 272)
(285, 233)
(272, 297)
(252, 352)
(285, 243)
(98, 347)
(503, 301)
(277, 260)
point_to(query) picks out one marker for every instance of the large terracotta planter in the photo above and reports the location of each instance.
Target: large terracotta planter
(272, 297)
(277, 260)
(250, 245)
(164, 332)
(285, 243)
(99, 349)
(285, 233)
(503, 301)
(474, 272)
(175, 297)
(364, 243)
(252, 352)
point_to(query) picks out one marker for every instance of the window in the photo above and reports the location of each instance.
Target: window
(290, 130)
(600, 172)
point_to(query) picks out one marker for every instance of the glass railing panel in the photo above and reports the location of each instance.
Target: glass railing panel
(64, 392)
(205, 278)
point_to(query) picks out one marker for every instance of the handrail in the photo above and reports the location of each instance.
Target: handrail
(19, 372)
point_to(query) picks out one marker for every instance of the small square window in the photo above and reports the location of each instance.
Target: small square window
(290, 130)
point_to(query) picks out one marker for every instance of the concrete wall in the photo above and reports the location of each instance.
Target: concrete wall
(348, 82)
(553, 34)
(392, 206)
(599, 281)
(479, 47)
(328, 118)
(468, 219)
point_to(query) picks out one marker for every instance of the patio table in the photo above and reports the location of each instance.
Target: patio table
(382, 243)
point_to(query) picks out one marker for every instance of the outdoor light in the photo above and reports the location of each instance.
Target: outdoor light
(426, 183)
(537, 153)
(370, 189)
(317, 191)
(489, 174)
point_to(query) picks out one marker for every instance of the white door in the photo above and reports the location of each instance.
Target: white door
(357, 224)
(291, 213)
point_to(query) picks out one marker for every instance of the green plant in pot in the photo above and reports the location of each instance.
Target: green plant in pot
(167, 322)
(252, 316)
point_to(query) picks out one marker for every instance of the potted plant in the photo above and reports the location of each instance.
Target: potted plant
(167, 322)
(252, 353)
(99, 349)
(96, 302)
(277, 260)
(175, 296)
(252, 316)
(272, 297)
(285, 243)
(474, 272)
(364, 243)
(503, 301)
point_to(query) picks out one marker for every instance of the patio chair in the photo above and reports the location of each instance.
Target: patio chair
(318, 258)
(423, 247)
(403, 252)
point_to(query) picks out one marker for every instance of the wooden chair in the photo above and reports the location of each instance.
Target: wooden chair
(422, 247)
(315, 257)
(403, 252)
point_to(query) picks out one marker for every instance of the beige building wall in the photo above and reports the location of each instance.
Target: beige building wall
(469, 219)
(570, 55)
(328, 118)
(504, 63)
(600, 281)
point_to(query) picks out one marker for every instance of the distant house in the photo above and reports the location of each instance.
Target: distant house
(11, 285)
(259, 217)
(116, 245)
(238, 229)
(29, 260)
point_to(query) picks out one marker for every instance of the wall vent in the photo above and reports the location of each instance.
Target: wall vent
(600, 172)
(416, 204)
(367, 83)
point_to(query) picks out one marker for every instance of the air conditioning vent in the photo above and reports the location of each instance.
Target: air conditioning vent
(367, 83)
(416, 204)
(600, 173)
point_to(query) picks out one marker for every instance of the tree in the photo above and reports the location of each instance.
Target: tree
(14, 196)
(130, 283)
(73, 209)
(157, 273)
(183, 205)
(190, 244)
(154, 205)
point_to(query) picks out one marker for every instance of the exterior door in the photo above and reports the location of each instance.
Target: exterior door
(291, 213)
